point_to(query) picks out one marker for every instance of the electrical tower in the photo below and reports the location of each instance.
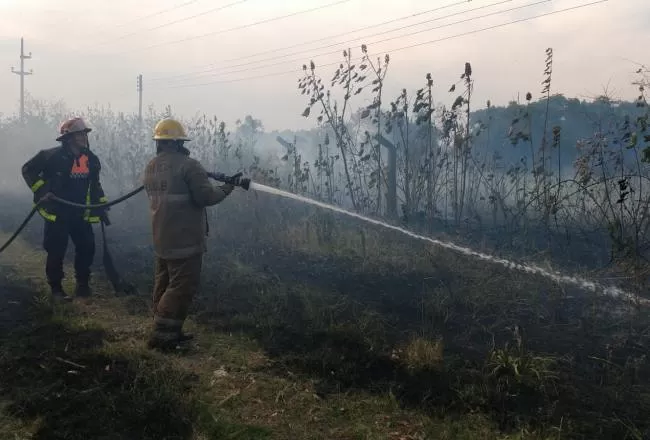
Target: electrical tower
(140, 98)
(22, 74)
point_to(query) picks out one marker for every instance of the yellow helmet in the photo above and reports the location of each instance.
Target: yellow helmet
(169, 129)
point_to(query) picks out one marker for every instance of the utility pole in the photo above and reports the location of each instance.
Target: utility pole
(391, 191)
(22, 74)
(140, 98)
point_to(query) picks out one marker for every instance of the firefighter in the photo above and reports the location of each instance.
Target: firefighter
(179, 192)
(71, 172)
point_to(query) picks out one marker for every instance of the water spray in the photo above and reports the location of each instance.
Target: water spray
(532, 269)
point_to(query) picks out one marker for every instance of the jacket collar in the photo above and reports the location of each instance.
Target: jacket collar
(68, 152)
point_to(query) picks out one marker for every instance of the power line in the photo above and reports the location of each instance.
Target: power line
(476, 31)
(268, 20)
(154, 14)
(631, 61)
(374, 35)
(378, 34)
(406, 17)
(210, 11)
(144, 17)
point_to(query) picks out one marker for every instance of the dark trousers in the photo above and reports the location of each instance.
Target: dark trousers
(55, 243)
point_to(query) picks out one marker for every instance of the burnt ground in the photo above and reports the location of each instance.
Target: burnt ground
(523, 350)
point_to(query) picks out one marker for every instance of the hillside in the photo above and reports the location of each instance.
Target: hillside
(578, 120)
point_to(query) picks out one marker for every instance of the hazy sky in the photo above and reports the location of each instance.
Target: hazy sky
(91, 51)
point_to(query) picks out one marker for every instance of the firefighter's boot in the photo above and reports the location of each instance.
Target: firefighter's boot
(82, 289)
(178, 344)
(185, 337)
(57, 291)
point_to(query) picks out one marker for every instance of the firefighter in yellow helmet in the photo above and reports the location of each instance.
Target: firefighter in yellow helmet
(179, 192)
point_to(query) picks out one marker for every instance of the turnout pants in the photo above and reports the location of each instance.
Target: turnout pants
(175, 285)
(55, 243)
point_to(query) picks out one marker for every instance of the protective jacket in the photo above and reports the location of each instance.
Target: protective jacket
(179, 191)
(58, 171)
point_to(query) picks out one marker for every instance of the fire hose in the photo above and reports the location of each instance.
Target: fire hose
(118, 283)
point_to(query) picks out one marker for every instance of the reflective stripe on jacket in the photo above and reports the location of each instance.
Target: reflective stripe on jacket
(54, 169)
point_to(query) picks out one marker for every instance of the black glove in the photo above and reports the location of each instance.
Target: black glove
(227, 188)
(234, 180)
(104, 218)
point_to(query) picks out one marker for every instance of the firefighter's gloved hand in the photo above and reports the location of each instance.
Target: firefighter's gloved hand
(104, 218)
(227, 188)
(48, 196)
(234, 180)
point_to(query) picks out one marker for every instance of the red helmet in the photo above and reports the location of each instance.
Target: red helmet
(73, 125)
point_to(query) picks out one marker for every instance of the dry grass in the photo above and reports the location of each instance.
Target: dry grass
(422, 354)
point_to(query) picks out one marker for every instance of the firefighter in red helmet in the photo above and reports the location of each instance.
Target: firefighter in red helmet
(71, 172)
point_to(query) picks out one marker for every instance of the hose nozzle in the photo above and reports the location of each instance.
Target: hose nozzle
(235, 180)
(245, 183)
